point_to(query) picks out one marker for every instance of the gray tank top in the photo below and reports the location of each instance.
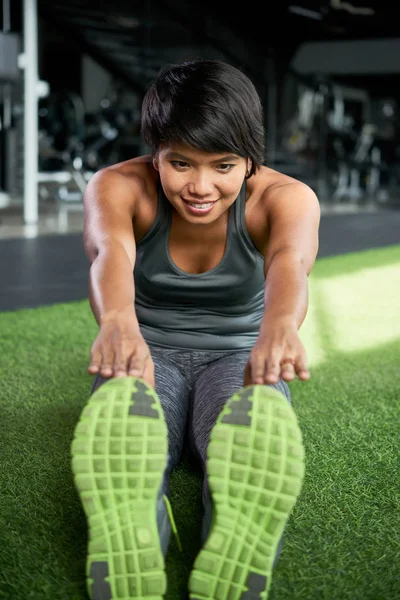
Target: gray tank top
(219, 310)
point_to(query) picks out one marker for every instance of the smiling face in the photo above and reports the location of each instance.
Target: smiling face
(200, 185)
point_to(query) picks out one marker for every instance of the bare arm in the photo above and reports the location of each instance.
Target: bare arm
(109, 243)
(109, 210)
(293, 216)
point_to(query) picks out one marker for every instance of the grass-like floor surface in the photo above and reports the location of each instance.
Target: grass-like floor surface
(342, 540)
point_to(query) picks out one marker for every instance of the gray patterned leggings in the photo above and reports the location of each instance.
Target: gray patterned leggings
(193, 387)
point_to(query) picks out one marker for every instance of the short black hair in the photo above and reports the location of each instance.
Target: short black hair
(206, 104)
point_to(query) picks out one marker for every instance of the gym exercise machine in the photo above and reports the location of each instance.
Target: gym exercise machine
(344, 137)
(74, 144)
(9, 75)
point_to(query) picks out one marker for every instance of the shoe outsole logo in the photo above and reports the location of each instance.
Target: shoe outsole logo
(255, 470)
(119, 455)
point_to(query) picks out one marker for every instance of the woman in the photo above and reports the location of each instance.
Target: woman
(199, 257)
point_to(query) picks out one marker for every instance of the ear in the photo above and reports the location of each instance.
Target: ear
(155, 162)
(248, 169)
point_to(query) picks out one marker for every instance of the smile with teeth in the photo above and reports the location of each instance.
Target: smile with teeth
(200, 206)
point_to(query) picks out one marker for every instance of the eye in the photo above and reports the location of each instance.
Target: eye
(225, 167)
(179, 164)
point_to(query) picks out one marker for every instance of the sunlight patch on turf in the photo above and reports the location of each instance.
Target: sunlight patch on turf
(362, 308)
(311, 331)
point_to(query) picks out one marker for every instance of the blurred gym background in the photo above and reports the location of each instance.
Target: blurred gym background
(73, 74)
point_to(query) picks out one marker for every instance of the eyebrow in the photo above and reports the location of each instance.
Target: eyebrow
(226, 158)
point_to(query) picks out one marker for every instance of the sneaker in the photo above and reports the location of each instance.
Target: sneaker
(255, 470)
(119, 455)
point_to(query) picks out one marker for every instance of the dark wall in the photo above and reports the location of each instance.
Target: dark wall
(60, 60)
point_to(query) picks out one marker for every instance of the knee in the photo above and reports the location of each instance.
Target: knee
(283, 388)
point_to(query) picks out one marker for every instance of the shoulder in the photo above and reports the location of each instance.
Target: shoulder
(135, 178)
(278, 193)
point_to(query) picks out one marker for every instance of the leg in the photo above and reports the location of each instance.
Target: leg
(213, 388)
(250, 447)
(126, 442)
(173, 392)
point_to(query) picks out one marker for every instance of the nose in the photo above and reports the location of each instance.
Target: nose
(201, 184)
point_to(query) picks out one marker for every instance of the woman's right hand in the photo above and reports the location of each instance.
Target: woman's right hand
(120, 350)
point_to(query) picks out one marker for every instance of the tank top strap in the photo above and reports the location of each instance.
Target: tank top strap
(239, 211)
(161, 219)
(240, 222)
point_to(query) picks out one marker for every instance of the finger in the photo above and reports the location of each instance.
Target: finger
(288, 372)
(136, 365)
(273, 369)
(301, 366)
(95, 362)
(304, 375)
(106, 368)
(302, 370)
(121, 361)
(247, 375)
(257, 368)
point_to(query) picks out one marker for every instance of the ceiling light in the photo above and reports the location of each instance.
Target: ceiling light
(354, 10)
(129, 22)
(305, 12)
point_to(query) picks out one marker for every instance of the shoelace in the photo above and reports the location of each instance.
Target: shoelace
(172, 521)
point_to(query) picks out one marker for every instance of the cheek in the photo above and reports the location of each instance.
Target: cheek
(171, 180)
(233, 185)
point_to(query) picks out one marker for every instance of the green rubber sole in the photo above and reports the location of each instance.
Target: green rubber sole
(255, 471)
(119, 455)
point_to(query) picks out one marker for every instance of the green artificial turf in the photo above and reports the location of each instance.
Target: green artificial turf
(343, 538)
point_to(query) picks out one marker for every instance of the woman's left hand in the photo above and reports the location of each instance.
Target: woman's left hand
(277, 354)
